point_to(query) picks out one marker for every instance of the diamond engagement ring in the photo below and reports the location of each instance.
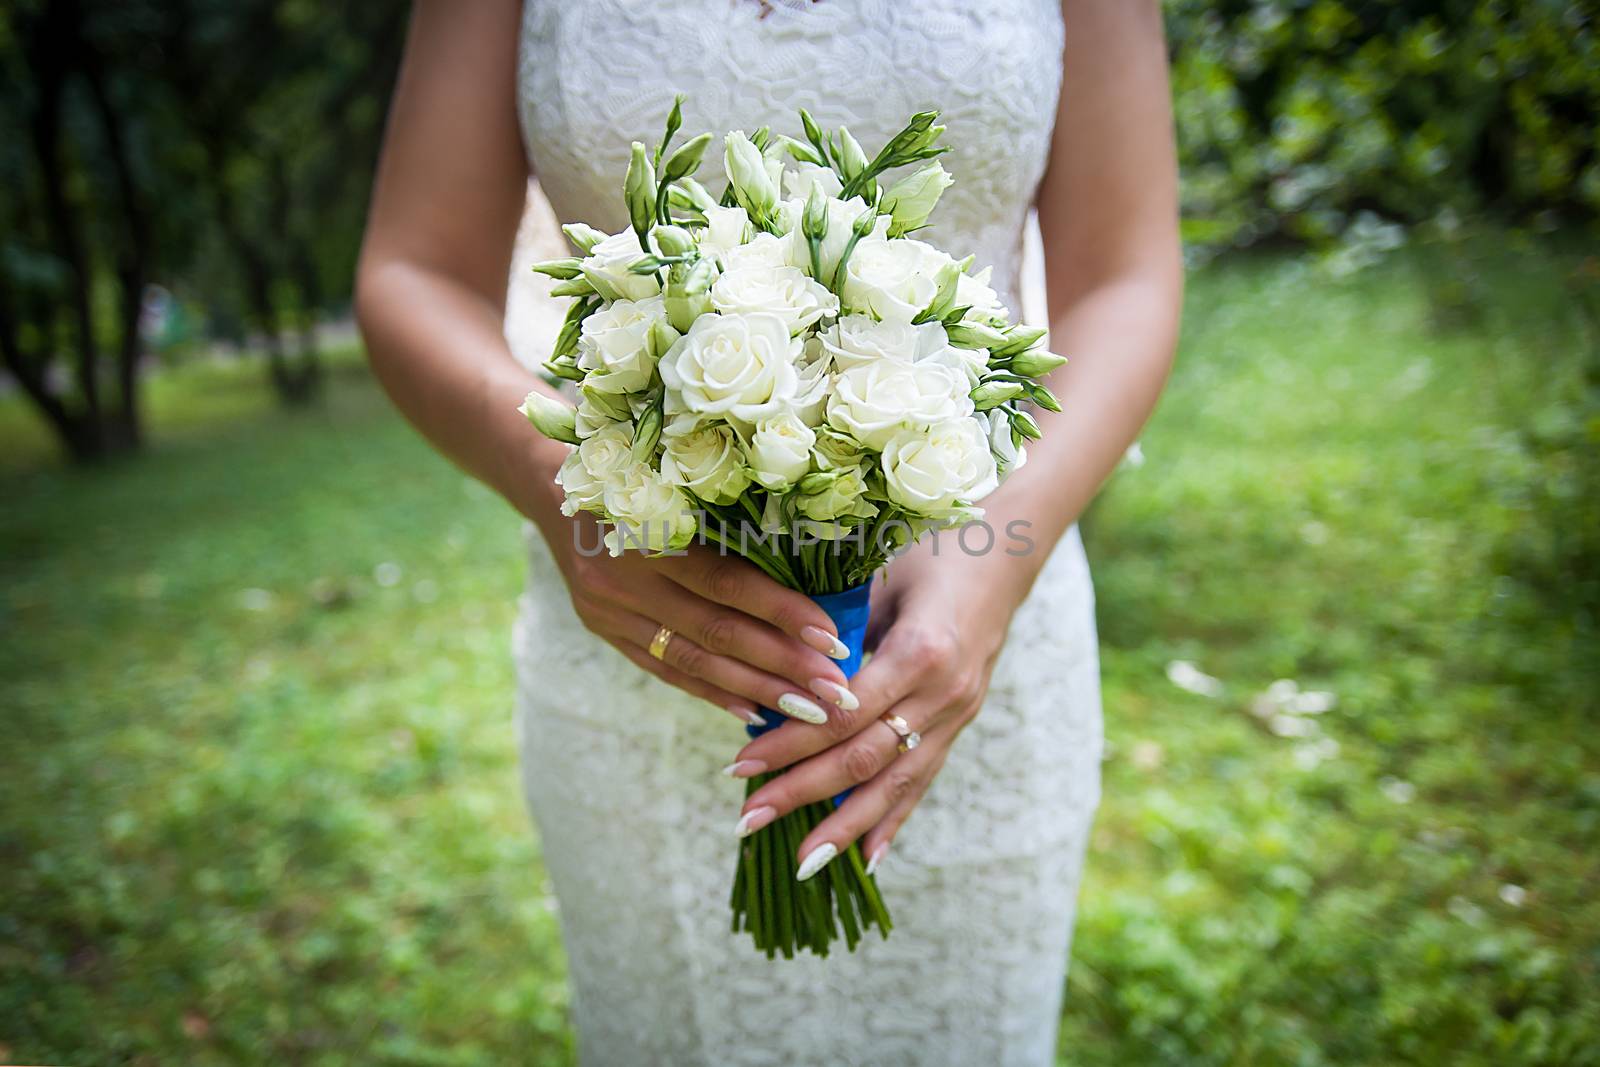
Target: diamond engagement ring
(909, 738)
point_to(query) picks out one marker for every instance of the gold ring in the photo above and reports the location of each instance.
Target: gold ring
(909, 738)
(658, 643)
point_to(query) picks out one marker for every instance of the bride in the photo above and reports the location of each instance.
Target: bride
(989, 654)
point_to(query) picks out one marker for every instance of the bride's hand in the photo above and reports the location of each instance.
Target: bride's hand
(739, 639)
(942, 622)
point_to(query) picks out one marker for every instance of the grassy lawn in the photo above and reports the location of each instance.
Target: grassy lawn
(259, 796)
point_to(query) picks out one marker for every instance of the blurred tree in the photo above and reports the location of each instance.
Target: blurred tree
(77, 244)
(284, 102)
(1297, 116)
(223, 148)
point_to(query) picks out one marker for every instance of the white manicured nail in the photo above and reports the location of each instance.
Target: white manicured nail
(877, 858)
(744, 768)
(798, 707)
(750, 716)
(815, 860)
(835, 692)
(753, 820)
(824, 642)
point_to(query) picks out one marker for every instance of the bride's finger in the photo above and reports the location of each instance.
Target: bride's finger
(725, 673)
(740, 584)
(896, 788)
(726, 631)
(889, 678)
(843, 766)
(737, 706)
(876, 841)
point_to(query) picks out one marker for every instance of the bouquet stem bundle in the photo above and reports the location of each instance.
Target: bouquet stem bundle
(783, 915)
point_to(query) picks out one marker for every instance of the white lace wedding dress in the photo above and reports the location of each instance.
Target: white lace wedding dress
(621, 771)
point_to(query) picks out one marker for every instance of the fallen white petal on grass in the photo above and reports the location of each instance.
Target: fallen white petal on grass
(1397, 790)
(1191, 679)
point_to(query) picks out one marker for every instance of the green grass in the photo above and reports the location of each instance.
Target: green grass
(259, 796)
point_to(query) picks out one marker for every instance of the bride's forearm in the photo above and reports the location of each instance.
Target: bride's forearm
(1119, 339)
(437, 347)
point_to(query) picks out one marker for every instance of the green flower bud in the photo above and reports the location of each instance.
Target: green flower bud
(585, 237)
(551, 417)
(562, 269)
(852, 160)
(573, 287)
(567, 339)
(993, 394)
(817, 482)
(686, 160)
(639, 189)
(814, 220)
(688, 292)
(565, 367)
(911, 200)
(612, 405)
(1024, 424)
(647, 434)
(748, 176)
(1036, 362)
(947, 278)
(1043, 397)
(809, 124)
(690, 195)
(672, 241)
(662, 337)
(1019, 338)
(967, 334)
(802, 152)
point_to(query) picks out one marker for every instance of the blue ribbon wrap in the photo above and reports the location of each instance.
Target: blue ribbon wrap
(849, 611)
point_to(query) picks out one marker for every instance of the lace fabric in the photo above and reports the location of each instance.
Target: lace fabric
(621, 771)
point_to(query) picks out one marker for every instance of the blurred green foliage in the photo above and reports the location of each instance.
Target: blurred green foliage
(1296, 116)
(257, 770)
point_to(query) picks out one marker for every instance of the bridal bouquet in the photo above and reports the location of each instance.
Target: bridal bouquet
(782, 370)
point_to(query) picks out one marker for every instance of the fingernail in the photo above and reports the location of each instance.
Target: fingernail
(753, 820)
(877, 858)
(798, 707)
(750, 716)
(745, 768)
(835, 692)
(815, 860)
(824, 642)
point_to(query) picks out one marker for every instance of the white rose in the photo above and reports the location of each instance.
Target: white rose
(938, 472)
(782, 291)
(842, 215)
(606, 268)
(614, 345)
(598, 462)
(739, 367)
(780, 451)
(859, 339)
(707, 461)
(591, 418)
(892, 279)
(649, 513)
(974, 291)
(969, 361)
(797, 182)
(1008, 454)
(812, 381)
(874, 401)
(726, 228)
(761, 251)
